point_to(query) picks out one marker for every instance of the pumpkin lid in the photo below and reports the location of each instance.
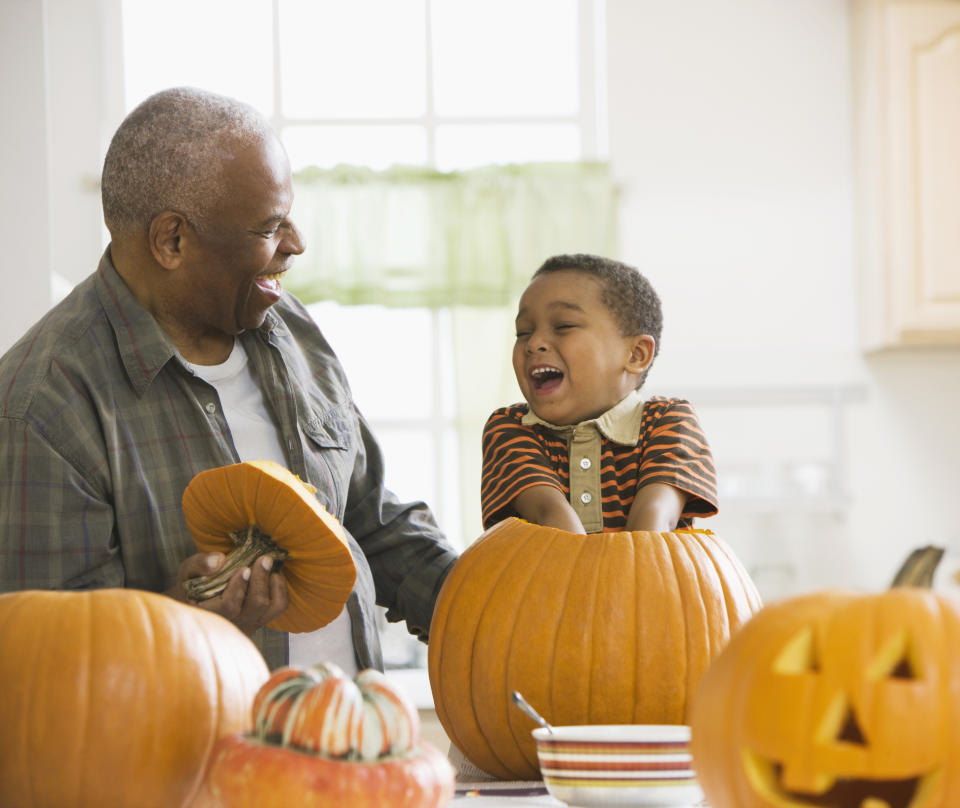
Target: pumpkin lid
(222, 503)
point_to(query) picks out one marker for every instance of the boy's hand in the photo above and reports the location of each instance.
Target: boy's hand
(546, 505)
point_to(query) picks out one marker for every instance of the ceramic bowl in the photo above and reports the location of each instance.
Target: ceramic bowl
(630, 764)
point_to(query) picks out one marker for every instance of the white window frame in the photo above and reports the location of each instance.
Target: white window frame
(590, 119)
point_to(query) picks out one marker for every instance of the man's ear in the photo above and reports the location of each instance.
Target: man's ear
(166, 234)
(642, 348)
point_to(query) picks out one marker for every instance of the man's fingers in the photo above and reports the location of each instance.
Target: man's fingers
(279, 598)
(230, 602)
(200, 564)
(253, 597)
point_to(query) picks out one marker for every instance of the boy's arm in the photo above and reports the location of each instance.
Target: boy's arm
(546, 505)
(657, 507)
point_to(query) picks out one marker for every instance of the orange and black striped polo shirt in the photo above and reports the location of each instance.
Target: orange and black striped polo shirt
(669, 447)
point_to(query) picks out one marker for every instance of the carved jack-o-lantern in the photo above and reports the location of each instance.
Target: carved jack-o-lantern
(835, 699)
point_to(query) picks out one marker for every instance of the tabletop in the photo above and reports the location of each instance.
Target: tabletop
(526, 794)
(503, 794)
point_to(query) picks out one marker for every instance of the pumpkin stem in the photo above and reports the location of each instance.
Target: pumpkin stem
(250, 545)
(919, 567)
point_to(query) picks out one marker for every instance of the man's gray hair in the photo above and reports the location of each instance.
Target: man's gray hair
(167, 155)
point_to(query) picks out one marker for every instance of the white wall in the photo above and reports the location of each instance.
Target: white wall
(24, 213)
(730, 131)
(61, 91)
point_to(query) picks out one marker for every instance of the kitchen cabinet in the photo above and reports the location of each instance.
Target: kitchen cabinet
(906, 70)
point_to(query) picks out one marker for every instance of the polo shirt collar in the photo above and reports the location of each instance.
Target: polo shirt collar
(621, 423)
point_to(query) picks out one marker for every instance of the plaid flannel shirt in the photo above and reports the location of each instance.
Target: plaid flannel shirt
(102, 426)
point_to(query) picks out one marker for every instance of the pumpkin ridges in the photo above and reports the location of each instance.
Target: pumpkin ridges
(495, 715)
(94, 701)
(658, 647)
(698, 636)
(491, 637)
(743, 603)
(232, 714)
(468, 592)
(710, 594)
(613, 608)
(529, 670)
(662, 643)
(227, 499)
(550, 694)
(719, 569)
(573, 661)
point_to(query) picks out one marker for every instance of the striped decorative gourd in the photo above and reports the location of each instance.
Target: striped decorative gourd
(608, 628)
(323, 740)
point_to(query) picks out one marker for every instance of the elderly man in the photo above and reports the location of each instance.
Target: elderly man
(181, 353)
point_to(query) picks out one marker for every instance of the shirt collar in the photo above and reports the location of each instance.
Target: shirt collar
(621, 423)
(144, 346)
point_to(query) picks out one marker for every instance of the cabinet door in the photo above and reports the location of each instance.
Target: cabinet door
(908, 109)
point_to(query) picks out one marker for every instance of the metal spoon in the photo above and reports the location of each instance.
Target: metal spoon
(521, 702)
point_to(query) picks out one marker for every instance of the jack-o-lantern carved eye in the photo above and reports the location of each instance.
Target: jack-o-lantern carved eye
(799, 655)
(895, 660)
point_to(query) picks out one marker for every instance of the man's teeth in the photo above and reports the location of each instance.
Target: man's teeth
(538, 372)
(275, 277)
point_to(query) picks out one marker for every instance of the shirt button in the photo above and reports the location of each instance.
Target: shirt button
(585, 498)
(211, 408)
(585, 463)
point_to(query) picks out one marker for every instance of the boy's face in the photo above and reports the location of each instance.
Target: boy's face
(572, 362)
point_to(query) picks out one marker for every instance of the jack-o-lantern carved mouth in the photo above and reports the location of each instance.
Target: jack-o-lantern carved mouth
(840, 792)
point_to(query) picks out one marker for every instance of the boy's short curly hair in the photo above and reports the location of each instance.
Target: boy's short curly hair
(628, 295)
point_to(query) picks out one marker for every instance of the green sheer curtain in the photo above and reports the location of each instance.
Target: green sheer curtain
(467, 241)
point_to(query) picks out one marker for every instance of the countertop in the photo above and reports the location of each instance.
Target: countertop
(500, 794)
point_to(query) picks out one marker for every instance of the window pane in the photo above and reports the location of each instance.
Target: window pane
(386, 354)
(448, 511)
(377, 147)
(505, 57)
(411, 468)
(173, 43)
(445, 373)
(353, 59)
(462, 146)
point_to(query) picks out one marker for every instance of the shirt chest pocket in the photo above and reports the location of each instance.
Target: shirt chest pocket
(330, 454)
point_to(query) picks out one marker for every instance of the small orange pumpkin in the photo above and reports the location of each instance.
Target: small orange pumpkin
(116, 697)
(324, 741)
(835, 699)
(257, 508)
(608, 628)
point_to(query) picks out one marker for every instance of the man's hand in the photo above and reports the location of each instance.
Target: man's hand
(254, 595)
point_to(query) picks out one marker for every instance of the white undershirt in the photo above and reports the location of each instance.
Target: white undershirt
(255, 438)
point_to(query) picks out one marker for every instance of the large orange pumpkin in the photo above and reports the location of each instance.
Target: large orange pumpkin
(115, 697)
(837, 699)
(608, 628)
(322, 740)
(260, 508)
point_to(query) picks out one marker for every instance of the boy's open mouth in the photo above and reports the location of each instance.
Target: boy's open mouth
(545, 378)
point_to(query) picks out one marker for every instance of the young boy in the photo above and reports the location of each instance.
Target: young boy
(586, 453)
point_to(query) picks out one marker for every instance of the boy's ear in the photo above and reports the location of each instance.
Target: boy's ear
(165, 235)
(642, 347)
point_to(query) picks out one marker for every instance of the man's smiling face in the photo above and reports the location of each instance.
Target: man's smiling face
(571, 360)
(244, 245)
